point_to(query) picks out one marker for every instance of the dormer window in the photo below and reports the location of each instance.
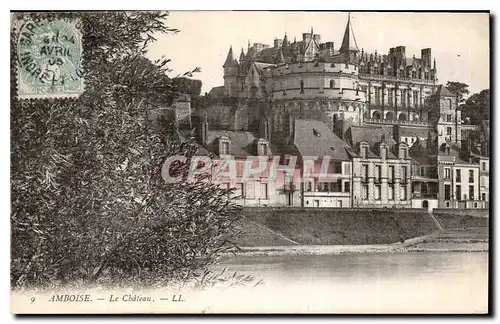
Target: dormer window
(383, 151)
(403, 151)
(263, 147)
(363, 148)
(224, 146)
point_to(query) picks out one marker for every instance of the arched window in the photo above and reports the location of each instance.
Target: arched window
(332, 84)
(301, 86)
(376, 115)
(425, 204)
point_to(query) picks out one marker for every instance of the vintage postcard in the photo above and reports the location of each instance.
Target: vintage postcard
(250, 162)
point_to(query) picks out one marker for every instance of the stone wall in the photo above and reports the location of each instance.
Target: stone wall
(462, 212)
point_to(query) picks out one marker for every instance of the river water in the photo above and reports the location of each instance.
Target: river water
(418, 282)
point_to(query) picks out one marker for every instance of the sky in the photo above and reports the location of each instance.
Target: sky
(459, 41)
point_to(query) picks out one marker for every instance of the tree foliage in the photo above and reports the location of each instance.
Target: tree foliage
(458, 88)
(477, 107)
(88, 201)
(187, 85)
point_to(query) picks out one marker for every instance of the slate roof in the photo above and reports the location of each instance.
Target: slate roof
(261, 66)
(374, 136)
(349, 41)
(241, 142)
(422, 154)
(455, 153)
(314, 138)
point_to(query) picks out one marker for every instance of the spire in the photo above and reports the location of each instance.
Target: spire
(285, 40)
(242, 55)
(312, 32)
(230, 61)
(349, 42)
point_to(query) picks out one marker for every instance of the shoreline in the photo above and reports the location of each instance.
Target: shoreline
(417, 245)
(427, 243)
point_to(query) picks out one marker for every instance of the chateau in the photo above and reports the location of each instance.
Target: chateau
(393, 134)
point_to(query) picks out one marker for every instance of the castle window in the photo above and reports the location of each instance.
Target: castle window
(413, 74)
(377, 192)
(377, 96)
(447, 192)
(301, 86)
(364, 150)
(458, 192)
(448, 130)
(448, 118)
(415, 98)
(403, 151)
(263, 147)
(364, 172)
(332, 84)
(224, 147)
(337, 167)
(365, 192)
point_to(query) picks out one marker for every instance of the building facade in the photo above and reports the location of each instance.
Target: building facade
(400, 130)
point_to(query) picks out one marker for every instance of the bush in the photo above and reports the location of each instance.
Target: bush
(89, 205)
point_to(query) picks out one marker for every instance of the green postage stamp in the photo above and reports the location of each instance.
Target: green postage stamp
(49, 56)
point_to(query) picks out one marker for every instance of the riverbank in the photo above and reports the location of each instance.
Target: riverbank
(450, 240)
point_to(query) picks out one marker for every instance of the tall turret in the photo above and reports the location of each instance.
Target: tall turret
(231, 67)
(349, 47)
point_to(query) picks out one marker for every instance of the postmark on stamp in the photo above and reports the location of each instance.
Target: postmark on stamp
(49, 55)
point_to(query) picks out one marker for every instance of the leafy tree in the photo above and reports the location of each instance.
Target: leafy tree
(458, 88)
(89, 205)
(477, 107)
(187, 85)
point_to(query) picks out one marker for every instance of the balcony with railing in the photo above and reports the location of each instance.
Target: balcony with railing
(428, 195)
(397, 122)
(366, 76)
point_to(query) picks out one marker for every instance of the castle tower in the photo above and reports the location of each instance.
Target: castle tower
(349, 47)
(231, 67)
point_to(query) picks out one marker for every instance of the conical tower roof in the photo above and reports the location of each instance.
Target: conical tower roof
(230, 61)
(242, 55)
(349, 42)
